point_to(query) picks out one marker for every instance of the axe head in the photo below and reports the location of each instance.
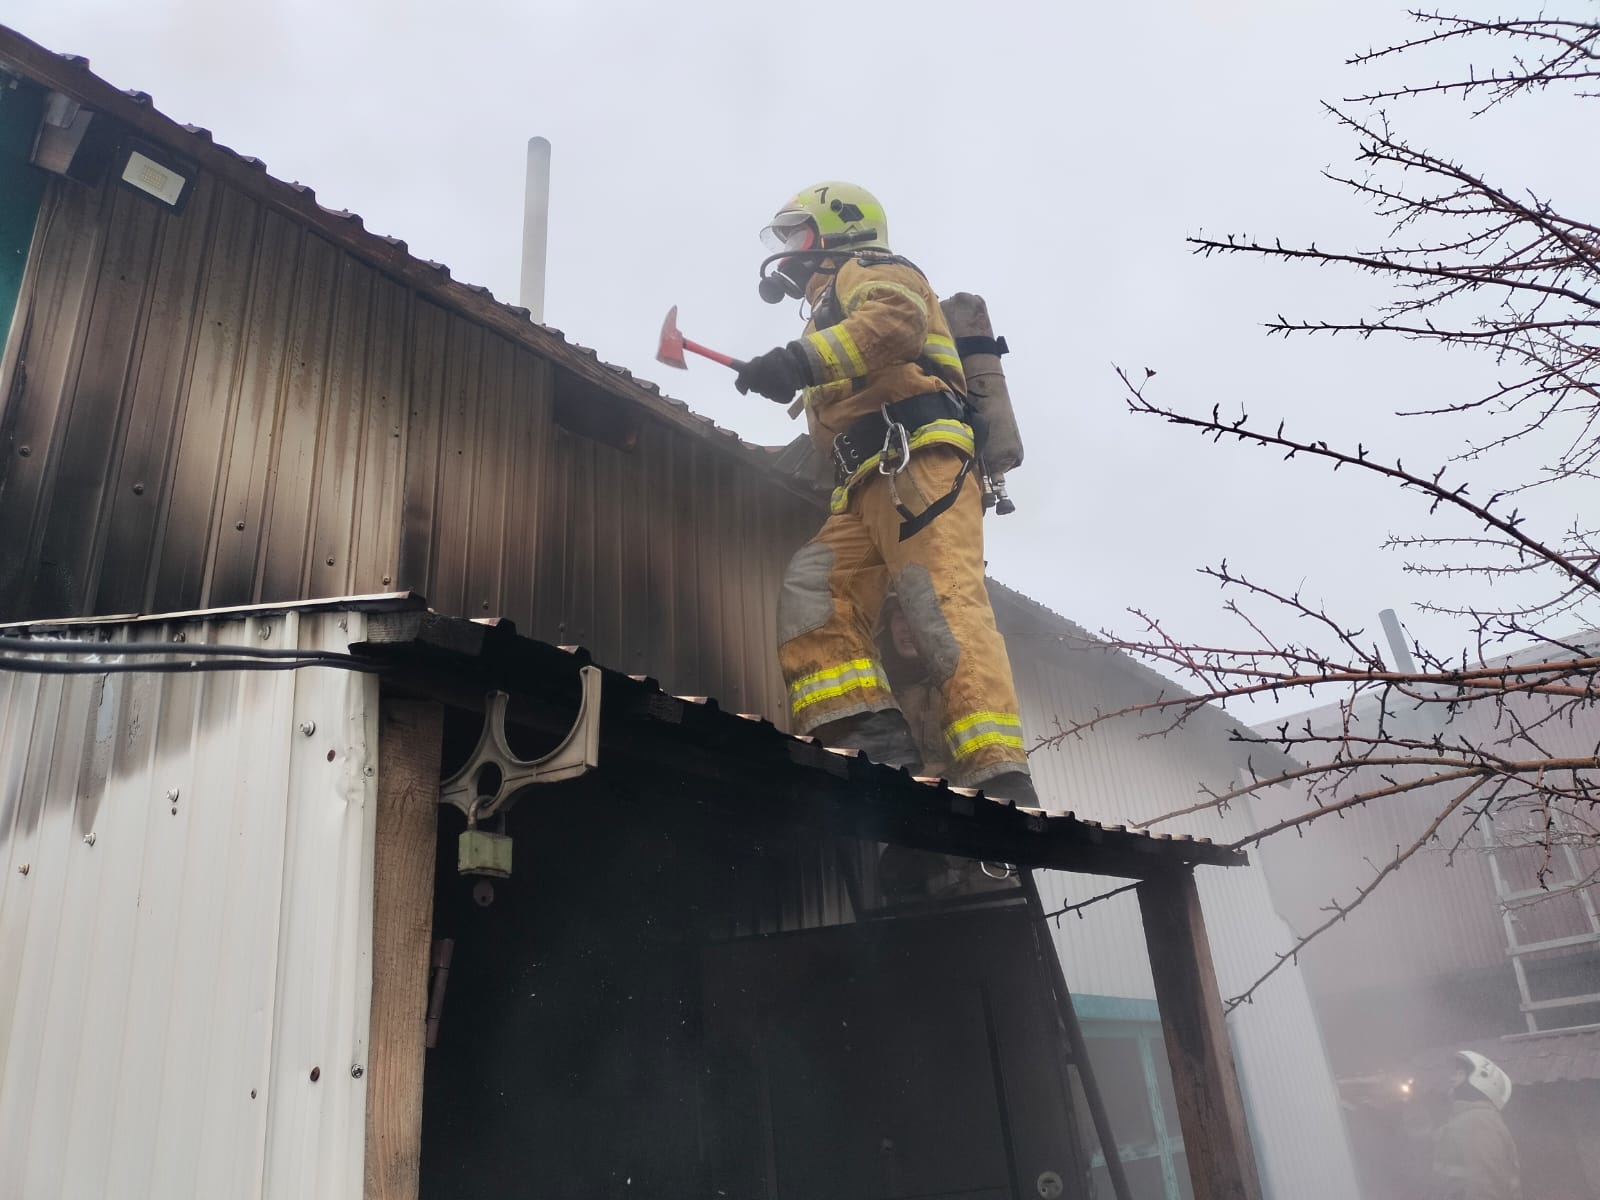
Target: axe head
(670, 351)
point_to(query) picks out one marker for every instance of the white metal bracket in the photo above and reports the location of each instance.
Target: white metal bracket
(493, 775)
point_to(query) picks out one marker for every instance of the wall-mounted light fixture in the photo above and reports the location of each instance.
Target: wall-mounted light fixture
(162, 176)
(70, 140)
(82, 145)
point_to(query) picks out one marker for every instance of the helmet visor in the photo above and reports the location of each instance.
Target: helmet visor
(790, 232)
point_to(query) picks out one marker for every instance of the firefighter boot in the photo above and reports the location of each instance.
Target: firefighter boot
(1015, 786)
(883, 736)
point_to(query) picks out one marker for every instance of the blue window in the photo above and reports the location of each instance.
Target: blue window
(1130, 1065)
(21, 186)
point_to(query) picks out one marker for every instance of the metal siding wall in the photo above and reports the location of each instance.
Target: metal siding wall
(1436, 916)
(666, 560)
(1115, 775)
(221, 408)
(166, 988)
(1289, 1087)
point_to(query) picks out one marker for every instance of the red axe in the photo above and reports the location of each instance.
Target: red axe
(673, 344)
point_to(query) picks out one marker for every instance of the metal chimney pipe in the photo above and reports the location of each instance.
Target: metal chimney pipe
(535, 227)
(1397, 642)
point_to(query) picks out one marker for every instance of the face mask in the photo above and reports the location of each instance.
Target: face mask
(786, 272)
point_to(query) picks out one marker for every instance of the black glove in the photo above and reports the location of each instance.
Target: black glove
(777, 374)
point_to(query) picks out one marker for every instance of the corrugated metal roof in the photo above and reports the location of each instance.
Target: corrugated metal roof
(644, 728)
(185, 923)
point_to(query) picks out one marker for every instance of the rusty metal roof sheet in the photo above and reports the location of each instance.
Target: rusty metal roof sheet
(70, 75)
(732, 757)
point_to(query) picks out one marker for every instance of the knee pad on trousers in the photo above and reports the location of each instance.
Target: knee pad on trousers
(805, 603)
(929, 629)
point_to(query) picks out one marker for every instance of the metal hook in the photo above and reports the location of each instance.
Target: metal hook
(578, 753)
(894, 431)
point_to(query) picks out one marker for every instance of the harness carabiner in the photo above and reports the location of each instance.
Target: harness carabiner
(890, 462)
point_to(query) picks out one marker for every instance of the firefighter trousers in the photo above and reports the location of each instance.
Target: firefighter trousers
(834, 588)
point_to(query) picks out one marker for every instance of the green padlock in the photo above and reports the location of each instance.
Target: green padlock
(481, 853)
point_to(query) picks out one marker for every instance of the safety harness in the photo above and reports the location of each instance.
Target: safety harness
(887, 436)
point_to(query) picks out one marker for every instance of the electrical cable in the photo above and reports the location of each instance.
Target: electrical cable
(32, 655)
(49, 645)
(47, 666)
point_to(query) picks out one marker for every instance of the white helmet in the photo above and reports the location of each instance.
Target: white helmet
(1487, 1078)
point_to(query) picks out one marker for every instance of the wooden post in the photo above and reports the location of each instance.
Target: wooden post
(1216, 1139)
(409, 742)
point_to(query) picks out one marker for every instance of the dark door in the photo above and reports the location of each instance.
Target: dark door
(908, 1058)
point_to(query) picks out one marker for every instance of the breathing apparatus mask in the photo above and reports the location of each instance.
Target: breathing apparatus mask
(798, 252)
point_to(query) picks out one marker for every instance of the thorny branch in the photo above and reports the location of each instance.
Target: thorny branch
(1488, 751)
(1339, 911)
(1058, 913)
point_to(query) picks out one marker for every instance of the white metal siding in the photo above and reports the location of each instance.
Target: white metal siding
(1116, 775)
(167, 988)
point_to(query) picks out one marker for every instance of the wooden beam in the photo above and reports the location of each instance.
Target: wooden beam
(1216, 1138)
(409, 742)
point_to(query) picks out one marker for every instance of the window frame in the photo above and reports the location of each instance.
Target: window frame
(1130, 1019)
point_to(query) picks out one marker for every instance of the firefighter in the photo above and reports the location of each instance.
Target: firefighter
(883, 392)
(1474, 1157)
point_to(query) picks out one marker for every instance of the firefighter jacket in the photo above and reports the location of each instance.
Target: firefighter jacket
(1474, 1157)
(876, 336)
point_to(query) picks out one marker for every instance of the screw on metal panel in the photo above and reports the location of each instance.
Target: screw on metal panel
(252, 1093)
(369, 771)
(172, 795)
(239, 525)
(308, 727)
(266, 632)
(180, 637)
(24, 451)
(138, 489)
(330, 560)
(356, 1072)
(24, 869)
(386, 581)
(88, 838)
(316, 1074)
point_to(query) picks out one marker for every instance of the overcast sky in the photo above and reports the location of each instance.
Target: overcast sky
(1052, 157)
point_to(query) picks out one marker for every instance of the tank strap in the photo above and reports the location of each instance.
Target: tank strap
(911, 523)
(968, 346)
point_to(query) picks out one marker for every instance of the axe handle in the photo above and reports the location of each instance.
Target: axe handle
(714, 355)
